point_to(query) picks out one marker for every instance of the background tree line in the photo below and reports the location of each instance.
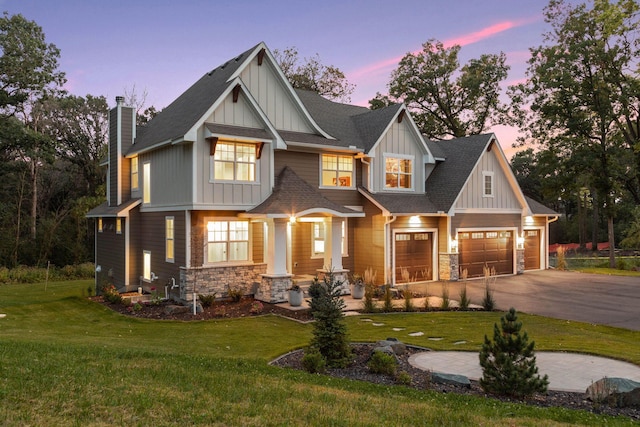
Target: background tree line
(578, 113)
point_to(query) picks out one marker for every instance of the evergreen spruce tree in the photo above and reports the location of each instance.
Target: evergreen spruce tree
(329, 328)
(508, 363)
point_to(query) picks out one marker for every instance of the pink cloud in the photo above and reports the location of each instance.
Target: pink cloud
(462, 40)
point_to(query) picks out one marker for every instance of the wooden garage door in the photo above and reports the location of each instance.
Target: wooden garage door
(413, 256)
(532, 249)
(491, 248)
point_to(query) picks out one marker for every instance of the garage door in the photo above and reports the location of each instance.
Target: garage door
(493, 249)
(532, 249)
(413, 256)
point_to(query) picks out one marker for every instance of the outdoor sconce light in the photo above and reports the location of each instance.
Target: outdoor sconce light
(454, 246)
(520, 242)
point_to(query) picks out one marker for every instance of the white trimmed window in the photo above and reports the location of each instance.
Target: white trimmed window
(134, 173)
(146, 265)
(234, 161)
(227, 241)
(118, 225)
(398, 172)
(169, 239)
(146, 183)
(337, 171)
(318, 236)
(487, 184)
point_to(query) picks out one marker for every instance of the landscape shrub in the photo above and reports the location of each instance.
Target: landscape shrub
(207, 300)
(329, 329)
(382, 363)
(464, 298)
(403, 378)
(368, 306)
(445, 296)
(313, 362)
(508, 362)
(111, 294)
(408, 301)
(387, 306)
(235, 294)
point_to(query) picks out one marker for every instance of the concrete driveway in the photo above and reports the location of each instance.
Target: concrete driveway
(592, 298)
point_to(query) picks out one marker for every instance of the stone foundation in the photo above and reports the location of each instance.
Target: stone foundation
(448, 267)
(520, 261)
(273, 288)
(218, 280)
(338, 275)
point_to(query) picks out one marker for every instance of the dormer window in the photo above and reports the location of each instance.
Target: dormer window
(398, 172)
(234, 161)
(337, 171)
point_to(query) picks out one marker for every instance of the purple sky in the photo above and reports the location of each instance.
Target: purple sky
(164, 46)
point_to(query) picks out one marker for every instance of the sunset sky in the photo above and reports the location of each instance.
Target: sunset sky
(164, 46)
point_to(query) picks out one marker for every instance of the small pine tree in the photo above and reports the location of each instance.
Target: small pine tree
(508, 363)
(329, 328)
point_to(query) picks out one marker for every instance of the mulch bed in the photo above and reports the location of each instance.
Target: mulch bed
(220, 310)
(358, 369)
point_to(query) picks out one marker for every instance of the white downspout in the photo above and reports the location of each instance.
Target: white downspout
(387, 249)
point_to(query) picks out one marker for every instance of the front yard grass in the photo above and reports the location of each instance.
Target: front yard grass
(65, 360)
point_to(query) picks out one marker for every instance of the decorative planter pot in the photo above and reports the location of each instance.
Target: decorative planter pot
(296, 297)
(357, 291)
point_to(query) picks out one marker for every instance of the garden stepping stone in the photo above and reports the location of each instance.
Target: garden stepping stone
(459, 342)
(378, 324)
(366, 320)
(416, 334)
(2, 316)
(435, 338)
(398, 329)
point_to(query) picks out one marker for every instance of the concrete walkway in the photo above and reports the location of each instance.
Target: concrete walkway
(566, 371)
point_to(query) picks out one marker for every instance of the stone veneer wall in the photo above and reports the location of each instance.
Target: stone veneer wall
(448, 267)
(520, 261)
(209, 280)
(338, 275)
(274, 288)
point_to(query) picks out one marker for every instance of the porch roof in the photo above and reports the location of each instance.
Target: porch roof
(106, 211)
(538, 209)
(401, 204)
(294, 197)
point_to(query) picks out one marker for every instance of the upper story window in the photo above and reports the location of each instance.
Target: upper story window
(134, 173)
(487, 184)
(398, 172)
(337, 171)
(100, 226)
(118, 225)
(146, 183)
(227, 241)
(234, 161)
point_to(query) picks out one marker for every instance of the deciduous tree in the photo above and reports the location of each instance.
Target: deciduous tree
(310, 74)
(448, 100)
(582, 95)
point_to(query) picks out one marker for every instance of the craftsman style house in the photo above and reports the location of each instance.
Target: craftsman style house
(245, 182)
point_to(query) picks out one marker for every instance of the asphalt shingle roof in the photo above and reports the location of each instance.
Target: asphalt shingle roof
(402, 204)
(538, 208)
(292, 196)
(447, 179)
(182, 114)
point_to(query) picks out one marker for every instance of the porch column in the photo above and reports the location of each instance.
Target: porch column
(276, 281)
(276, 256)
(333, 244)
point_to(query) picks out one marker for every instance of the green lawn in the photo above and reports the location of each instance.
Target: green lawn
(67, 361)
